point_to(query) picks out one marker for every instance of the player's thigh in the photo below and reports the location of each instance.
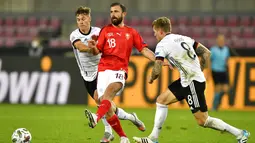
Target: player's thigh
(166, 98)
(225, 87)
(91, 87)
(96, 97)
(111, 90)
(217, 81)
(195, 96)
(102, 83)
(118, 77)
(176, 91)
(218, 87)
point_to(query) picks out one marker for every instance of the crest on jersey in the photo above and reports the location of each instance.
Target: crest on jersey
(127, 36)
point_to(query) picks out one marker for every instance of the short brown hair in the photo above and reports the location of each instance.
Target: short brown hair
(123, 8)
(164, 23)
(83, 10)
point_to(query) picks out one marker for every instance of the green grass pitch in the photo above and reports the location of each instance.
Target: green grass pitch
(67, 124)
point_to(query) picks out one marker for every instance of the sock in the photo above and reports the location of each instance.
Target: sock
(160, 117)
(218, 124)
(123, 115)
(103, 108)
(107, 126)
(115, 123)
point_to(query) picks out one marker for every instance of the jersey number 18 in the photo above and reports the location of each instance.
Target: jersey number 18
(111, 42)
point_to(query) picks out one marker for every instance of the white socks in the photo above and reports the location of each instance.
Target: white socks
(218, 124)
(160, 117)
(123, 115)
(107, 126)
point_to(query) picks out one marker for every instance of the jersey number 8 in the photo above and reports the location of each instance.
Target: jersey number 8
(186, 47)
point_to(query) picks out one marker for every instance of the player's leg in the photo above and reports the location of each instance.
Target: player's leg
(108, 135)
(218, 93)
(91, 87)
(206, 121)
(123, 115)
(217, 90)
(199, 109)
(114, 83)
(164, 99)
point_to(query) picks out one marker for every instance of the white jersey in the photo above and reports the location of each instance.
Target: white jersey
(88, 63)
(179, 51)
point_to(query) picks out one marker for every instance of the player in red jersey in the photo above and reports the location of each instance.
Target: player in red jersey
(115, 42)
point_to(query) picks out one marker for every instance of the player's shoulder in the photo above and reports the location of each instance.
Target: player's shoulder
(95, 30)
(75, 32)
(130, 29)
(180, 37)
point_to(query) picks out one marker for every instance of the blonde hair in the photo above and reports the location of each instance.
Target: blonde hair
(83, 10)
(162, 22)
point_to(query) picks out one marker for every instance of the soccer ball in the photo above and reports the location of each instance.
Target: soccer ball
(21, 135)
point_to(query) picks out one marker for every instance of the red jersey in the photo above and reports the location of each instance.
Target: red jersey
(116, 45)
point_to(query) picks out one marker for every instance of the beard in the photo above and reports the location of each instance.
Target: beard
(116, 21)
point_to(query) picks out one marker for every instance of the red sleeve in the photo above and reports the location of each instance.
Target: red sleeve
(138, 41)
(101, 39)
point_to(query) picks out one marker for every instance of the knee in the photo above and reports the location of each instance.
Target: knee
(217, 88)
(226, 89)
(201, 121)
(162, 100)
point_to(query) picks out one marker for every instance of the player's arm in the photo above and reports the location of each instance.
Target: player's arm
(146, 52)
(76, 43)
(93, 47)
(156, 69)
(204, 55)
(142, 47)
(82, 47)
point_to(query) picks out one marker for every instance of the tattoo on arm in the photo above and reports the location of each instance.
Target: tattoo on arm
(204, 53)
(156, 69)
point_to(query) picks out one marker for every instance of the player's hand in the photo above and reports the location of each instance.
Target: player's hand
(91, 43)
(94, 37)
(95, 51)
(151, 80)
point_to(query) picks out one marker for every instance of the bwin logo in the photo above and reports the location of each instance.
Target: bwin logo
(34, 87)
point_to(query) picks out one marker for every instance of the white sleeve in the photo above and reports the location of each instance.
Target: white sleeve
(189, 41)
(160, 51)
(73, 37)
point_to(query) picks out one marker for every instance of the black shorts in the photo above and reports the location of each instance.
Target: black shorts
(194, 94)
(220, 77)
(91, 86)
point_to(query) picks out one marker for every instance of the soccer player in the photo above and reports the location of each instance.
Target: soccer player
(88, 64)
(220, 54)
(115, 42)
(183, 52)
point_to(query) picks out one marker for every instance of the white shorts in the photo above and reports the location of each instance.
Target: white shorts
(107, 77)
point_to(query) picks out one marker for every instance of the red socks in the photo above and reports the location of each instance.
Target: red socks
(114, 121)
(115, 124)
(103, 108)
